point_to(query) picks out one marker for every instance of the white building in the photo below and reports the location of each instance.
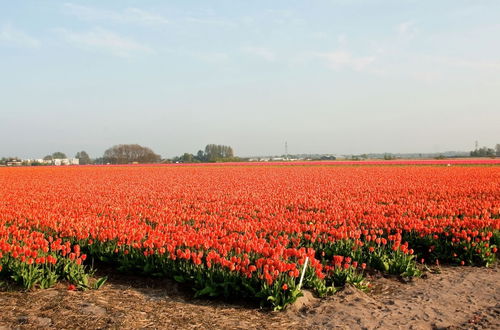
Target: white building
(66, 161)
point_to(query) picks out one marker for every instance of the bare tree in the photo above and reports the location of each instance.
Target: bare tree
(130, 153)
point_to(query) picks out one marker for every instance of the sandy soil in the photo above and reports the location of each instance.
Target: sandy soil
(456, 298)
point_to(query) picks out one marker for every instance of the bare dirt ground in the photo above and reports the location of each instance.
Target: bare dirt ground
(456, 298)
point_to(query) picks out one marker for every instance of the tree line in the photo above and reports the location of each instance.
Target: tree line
(212, 153)
(135, 154)
(486, 152)
(130, 153)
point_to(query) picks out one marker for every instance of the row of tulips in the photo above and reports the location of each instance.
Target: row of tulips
(245, 231)
(30, 258)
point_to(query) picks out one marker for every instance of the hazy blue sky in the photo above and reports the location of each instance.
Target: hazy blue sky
(331, 76)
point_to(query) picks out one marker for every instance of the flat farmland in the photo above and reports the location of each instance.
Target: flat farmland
(264, 233)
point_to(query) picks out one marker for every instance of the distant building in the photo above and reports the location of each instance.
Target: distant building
(15, 163)
(66, 161)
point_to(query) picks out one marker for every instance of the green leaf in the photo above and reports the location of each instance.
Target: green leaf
(249, 287)
(100, 282)
(206, 290)
(179, 278)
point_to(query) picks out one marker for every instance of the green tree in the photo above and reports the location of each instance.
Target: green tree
(217, 152)
(200, 156)
(187, 158)
(83, 157)
(59, 155)
(483, 152)
(99, 161)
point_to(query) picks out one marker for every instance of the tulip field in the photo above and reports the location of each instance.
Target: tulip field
(246, 230)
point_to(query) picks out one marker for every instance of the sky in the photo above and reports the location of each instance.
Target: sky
(326, 76)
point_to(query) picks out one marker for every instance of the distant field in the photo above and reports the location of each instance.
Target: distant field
(456, 161)
(247, 231)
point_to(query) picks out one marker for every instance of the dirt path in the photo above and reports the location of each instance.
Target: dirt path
(457, 298)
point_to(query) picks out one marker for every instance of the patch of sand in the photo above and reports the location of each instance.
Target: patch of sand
(464, 297)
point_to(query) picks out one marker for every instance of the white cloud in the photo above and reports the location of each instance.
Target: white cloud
(211, 57)
(12, 36)
(343, 59)
(128, 15)
(320, 35)
(341, 39)
(407, 29)
(478, 64)
(210, 21)
(102, 40)
(475, 64)
(426, 76)
(261, 52)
